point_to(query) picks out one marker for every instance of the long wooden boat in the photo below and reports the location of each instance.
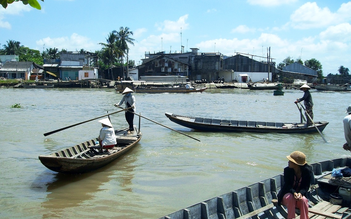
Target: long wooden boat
(333, 87)
(262, 86)
(222, 125)
(86, 157)
(329, 197)
(167, 90)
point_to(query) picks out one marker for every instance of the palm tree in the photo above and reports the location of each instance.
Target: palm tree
(12, 47)
(111, 51)
(123, 38)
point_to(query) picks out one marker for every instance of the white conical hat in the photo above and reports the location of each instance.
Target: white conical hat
(305, 86)
(106, 121)
(127, 90)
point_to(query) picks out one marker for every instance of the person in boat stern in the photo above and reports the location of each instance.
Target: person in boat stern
(307, 100)
(129, 101)
(297, 181)
(347, 129)
(107, 137)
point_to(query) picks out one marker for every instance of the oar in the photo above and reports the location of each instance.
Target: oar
(314, 124)
(67, 127)
(302, 117)
(163, 125)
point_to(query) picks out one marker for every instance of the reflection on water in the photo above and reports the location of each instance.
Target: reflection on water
(166, 171)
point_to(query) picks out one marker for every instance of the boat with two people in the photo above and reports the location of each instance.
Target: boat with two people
(86, 156)
(229, 125)
(329, 196)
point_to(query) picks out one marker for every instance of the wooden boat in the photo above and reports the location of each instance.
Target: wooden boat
(222, 125)
(333, 87)
(86, 157)
(262, 86)
(328, 196)
(170, 89)
(226, 86)
(38, 85)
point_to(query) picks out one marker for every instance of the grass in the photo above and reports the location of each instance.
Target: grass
(16, 105)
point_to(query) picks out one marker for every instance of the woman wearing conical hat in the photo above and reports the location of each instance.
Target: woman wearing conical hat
(307, 100)
(107, 137)
(129, 101)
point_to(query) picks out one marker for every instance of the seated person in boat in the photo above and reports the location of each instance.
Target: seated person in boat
(297, 181)
(347, 129)
(188, 86)
(107, 137)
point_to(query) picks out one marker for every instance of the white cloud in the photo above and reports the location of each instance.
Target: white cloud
(213, 10)
(339, 33)
(173, 26)
(243, 29)
(72, 43)
(270, 3)
(15, 8)
(139, 32)
(310, 15)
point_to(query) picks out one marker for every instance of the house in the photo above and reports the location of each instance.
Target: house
(163, 65)
(194, 65)
(242, 68)
(8, 58)
(298, 71)
(69, 65)
(17, 70)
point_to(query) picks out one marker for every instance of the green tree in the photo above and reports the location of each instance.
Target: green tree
(315, 65)
(287, 61)
(110, 52)
(30, 55)
(51, 53)
(123, 38)
(12, 47)
(32, 3)
(343, 71)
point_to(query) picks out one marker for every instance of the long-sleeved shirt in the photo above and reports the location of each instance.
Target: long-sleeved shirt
(128, 99)
(107, 136)
(347, 129)
(307, 98)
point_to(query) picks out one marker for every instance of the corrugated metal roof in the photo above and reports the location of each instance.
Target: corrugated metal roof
(50, 65)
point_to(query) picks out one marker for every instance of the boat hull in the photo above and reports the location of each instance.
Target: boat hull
(255, 200)
(218, 125)
(168, 90)
(81, 158)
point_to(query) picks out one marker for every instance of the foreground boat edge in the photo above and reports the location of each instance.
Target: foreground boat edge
(256, 199)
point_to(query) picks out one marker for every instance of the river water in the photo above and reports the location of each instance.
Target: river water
(167, 171)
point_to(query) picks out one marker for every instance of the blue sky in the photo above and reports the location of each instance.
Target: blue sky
(295, 28)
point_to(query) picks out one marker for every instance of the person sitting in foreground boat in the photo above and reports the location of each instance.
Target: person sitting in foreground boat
(107, 137)
(307, 100)
(297, 181)
(129, 101)
(347, 129)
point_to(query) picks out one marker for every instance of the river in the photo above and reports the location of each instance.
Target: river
(166, 171)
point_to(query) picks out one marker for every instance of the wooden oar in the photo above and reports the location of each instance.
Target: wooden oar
(302, 117)
(163, 125)
(314, 124)
(67, 127)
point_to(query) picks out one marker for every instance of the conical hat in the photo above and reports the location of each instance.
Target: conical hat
(127, 90)
(305, 86)
(106, 121)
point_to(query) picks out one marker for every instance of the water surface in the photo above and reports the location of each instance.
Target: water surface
(166, 171)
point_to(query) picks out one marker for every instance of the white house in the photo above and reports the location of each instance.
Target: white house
(87, 74)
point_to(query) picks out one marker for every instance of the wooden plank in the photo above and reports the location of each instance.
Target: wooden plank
(256, 212)
(327, 214)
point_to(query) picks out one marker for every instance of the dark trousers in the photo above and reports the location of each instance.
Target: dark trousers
(130, 117)
(309, 111)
